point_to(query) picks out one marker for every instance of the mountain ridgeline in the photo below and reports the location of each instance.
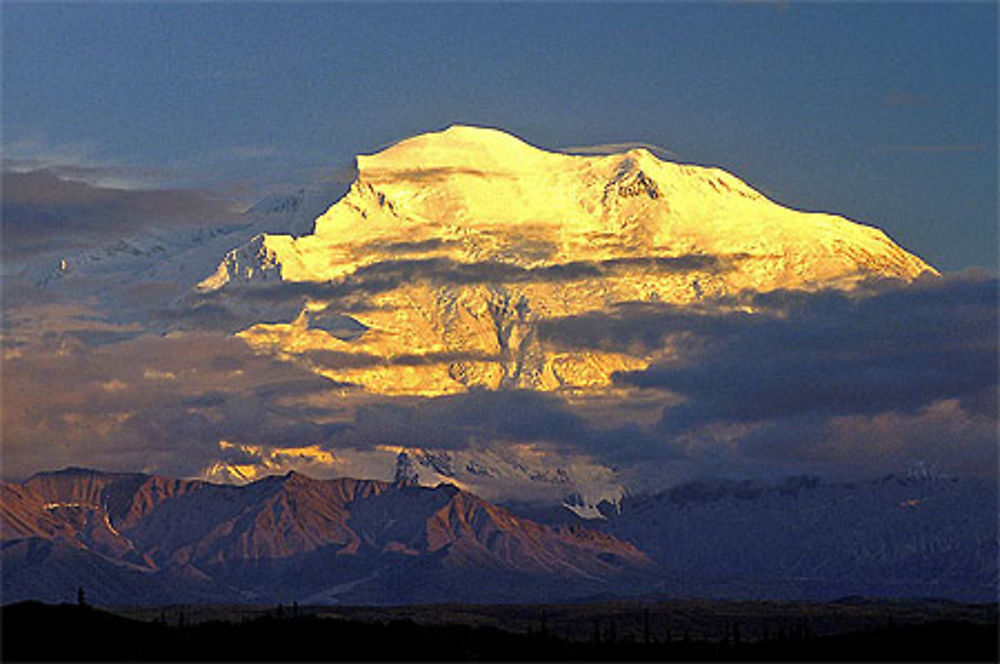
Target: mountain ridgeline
(143, 538)
(135, 539)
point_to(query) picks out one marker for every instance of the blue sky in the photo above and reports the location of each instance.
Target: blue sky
(886, 113)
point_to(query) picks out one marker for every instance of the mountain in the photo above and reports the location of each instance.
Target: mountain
(447, 264)
(134, 538)
(184, 253)
(896, 536)
(451, 247)
(139, 276)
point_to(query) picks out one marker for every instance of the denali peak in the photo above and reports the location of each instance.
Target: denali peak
(464, 185)
(451, 246)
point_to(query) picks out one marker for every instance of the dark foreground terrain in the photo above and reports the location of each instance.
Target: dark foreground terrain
(44, 632)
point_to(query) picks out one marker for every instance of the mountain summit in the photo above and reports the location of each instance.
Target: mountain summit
(461, 187)
(431, 274)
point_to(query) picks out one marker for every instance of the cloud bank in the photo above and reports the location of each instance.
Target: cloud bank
(56, 208)
(831, 383)
(831, 354)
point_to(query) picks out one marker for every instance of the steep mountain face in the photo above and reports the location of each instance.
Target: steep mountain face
(289, 537)
(461, 241)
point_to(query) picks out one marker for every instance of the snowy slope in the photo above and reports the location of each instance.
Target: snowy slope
(135, 276)
(466, 191)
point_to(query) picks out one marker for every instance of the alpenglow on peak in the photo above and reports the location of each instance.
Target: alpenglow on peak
(450, 247)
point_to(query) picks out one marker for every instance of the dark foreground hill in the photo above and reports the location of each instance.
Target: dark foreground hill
(39, 632)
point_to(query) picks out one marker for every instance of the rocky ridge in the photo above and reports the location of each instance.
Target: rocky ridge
(330, 539)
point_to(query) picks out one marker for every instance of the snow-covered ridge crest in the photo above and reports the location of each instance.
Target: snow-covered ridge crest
(464, 184)
(463, 147)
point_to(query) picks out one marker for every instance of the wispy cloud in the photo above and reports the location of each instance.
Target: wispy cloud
(618, 148)
(101, 176)
(236, 307)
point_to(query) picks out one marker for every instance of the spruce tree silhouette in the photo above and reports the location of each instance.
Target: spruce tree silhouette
(81, 596)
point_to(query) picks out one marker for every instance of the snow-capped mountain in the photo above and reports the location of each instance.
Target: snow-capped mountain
(132, 537)
(439, 270)
(460, 242)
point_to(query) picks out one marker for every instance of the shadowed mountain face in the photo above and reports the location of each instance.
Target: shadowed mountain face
(141, 538)
(896, 536)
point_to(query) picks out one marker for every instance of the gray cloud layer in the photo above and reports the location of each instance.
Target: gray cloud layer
(42, 210)
(868, 380)
(239, 306)
(831, 354)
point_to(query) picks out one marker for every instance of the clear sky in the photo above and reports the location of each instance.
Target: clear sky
(886, 113)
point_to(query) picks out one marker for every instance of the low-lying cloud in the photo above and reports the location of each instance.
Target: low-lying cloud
(44, 210)
(833, 355)
(383, 276)
(853, 383)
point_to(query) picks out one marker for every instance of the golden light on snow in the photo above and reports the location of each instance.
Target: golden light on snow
(152, 374)
(268, 460)
(477, 236)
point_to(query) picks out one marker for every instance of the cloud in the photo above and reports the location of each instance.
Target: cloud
(943, 436)
(103, 176)
(454, 421)
(109, 405)
(55, 208)
(604, 149)
(641, 327)
(483, 418)
(163, 404)
(416, 247)
(334, 360)
(237, 306)
(832, 355)
(431, 175)
(384, 276)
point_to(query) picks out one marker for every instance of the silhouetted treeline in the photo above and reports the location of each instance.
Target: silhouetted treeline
(36, 631)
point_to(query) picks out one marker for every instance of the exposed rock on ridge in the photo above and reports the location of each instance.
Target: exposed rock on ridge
(328, 534)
